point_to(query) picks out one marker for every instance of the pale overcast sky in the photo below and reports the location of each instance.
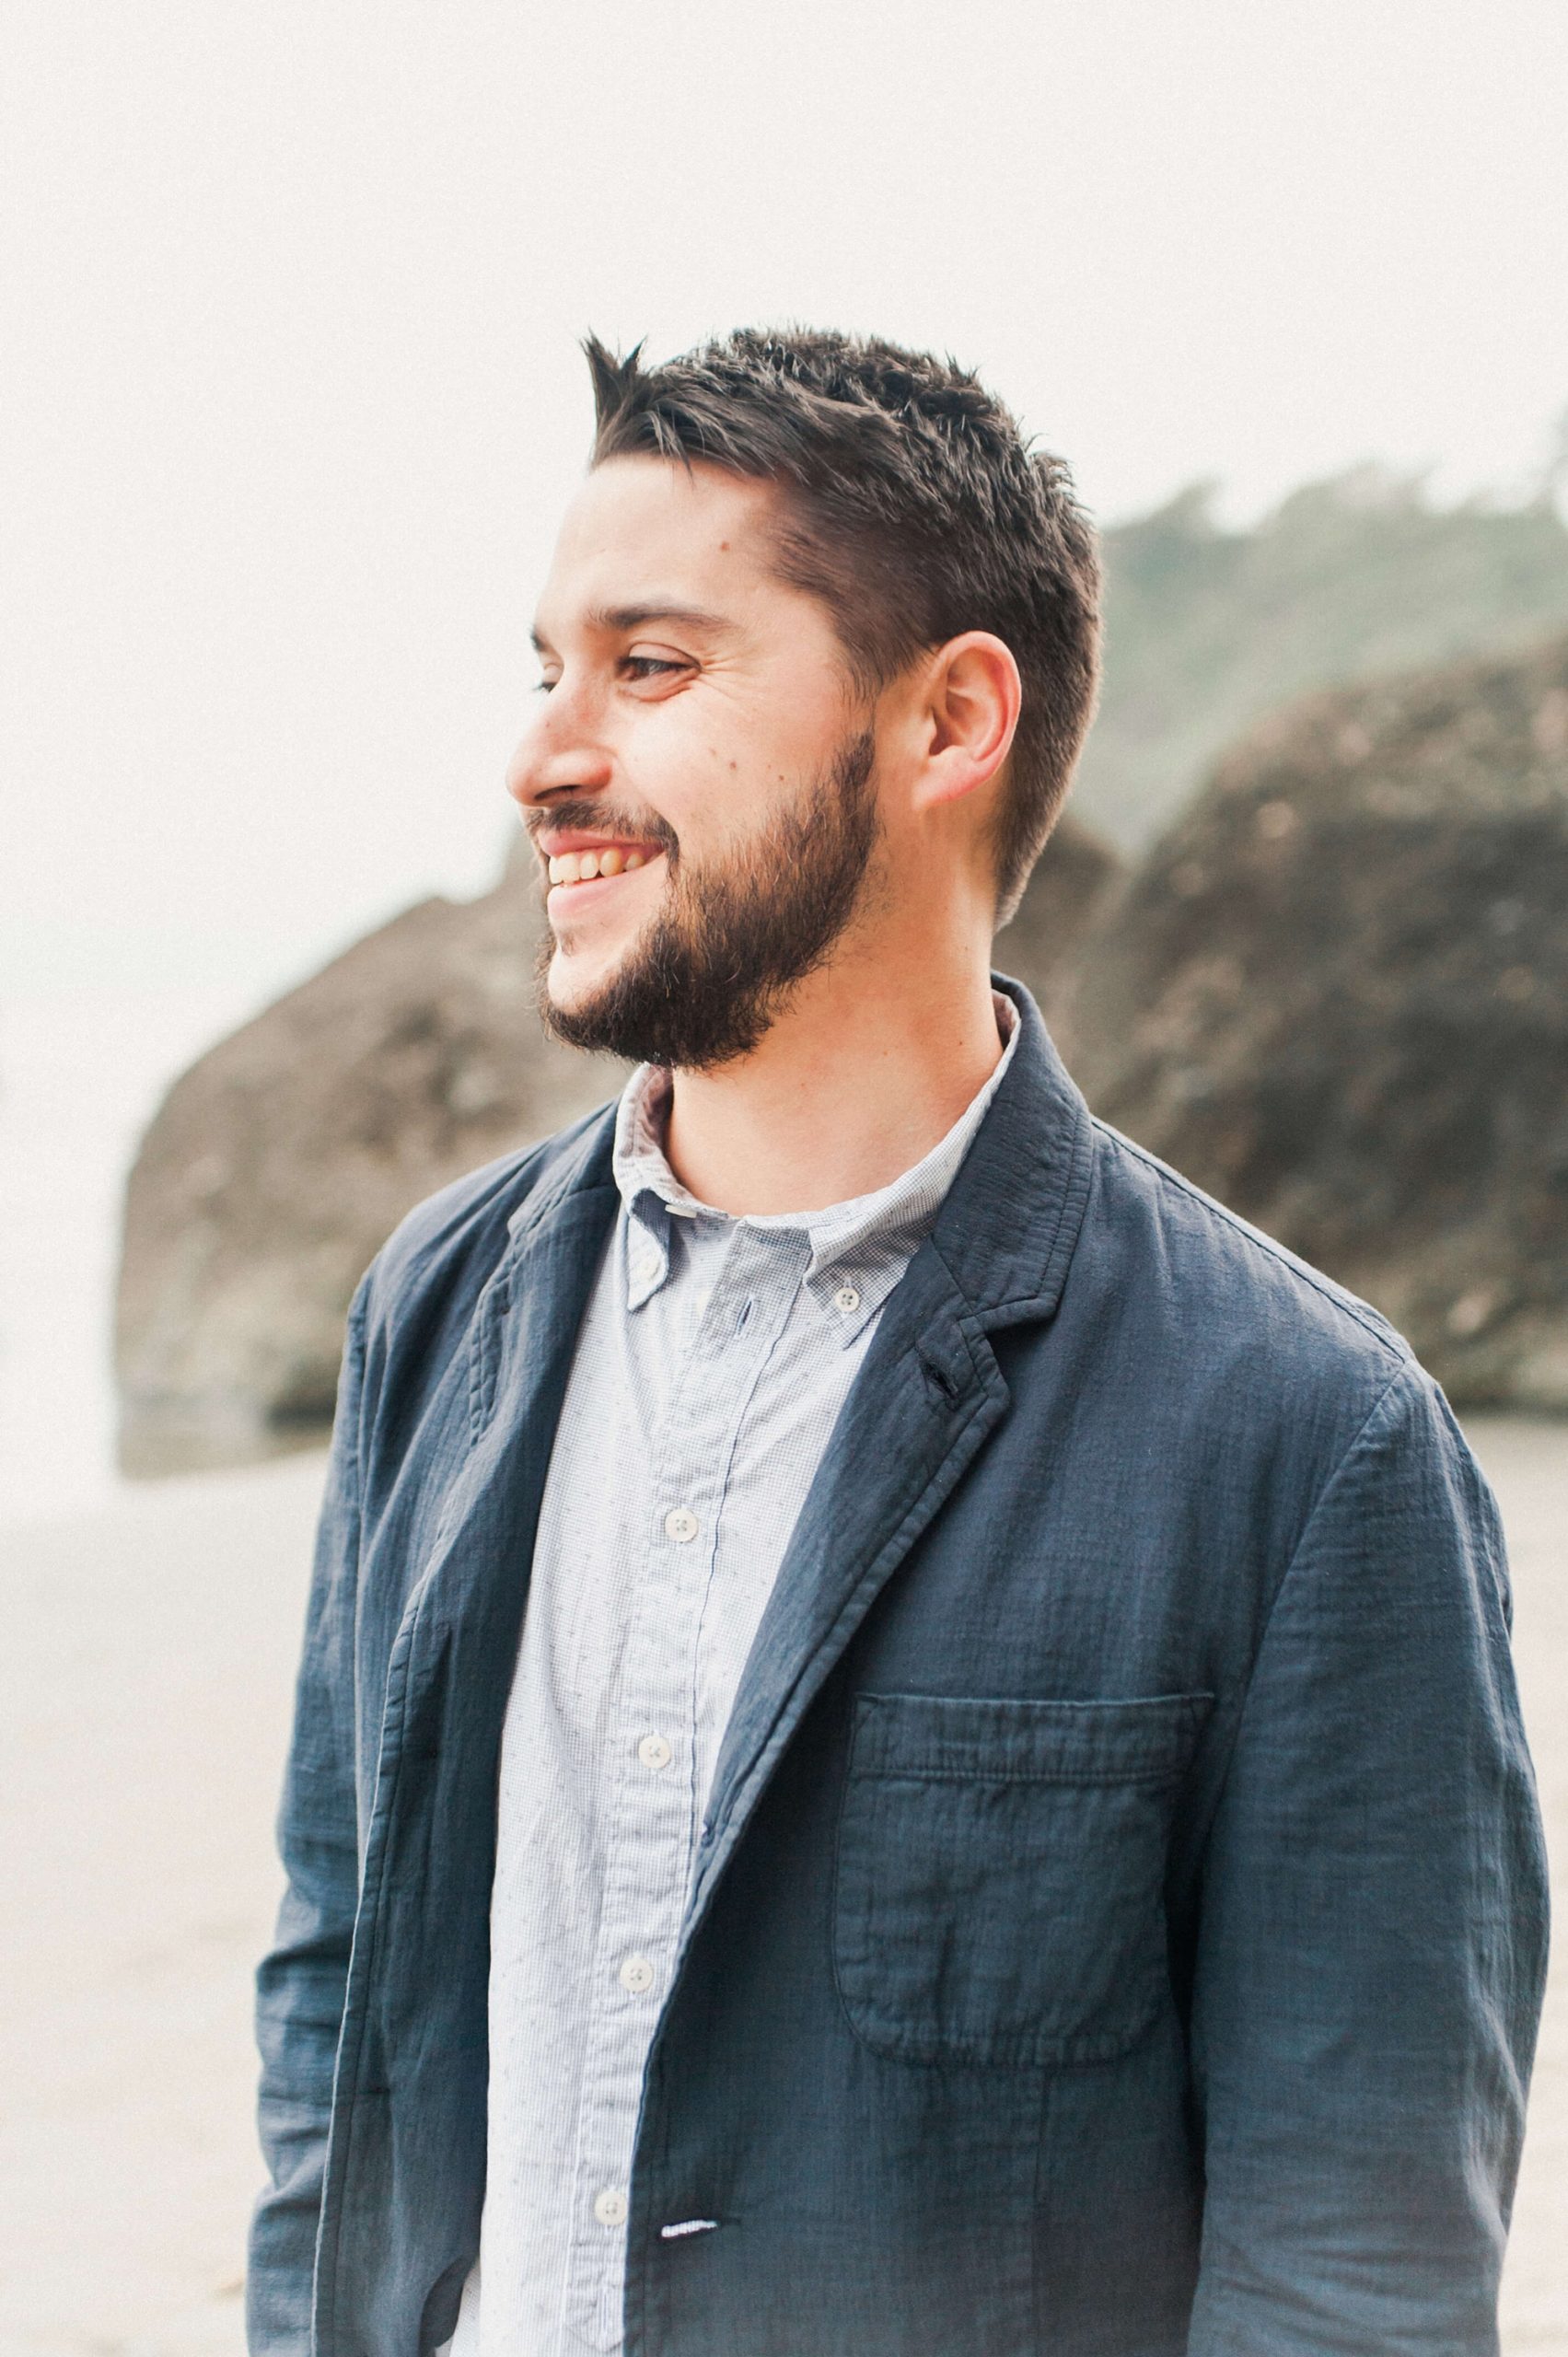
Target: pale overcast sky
(291, 296)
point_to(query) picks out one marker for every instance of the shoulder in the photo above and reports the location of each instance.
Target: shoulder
(1217, 1249)
(1286, 1399)
(1233, 1315)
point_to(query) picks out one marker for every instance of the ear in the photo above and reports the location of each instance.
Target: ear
(972, 699)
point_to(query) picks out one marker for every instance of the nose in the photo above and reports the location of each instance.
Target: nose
(556, 754)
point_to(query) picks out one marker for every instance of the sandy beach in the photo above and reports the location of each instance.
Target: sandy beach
(144, 1704)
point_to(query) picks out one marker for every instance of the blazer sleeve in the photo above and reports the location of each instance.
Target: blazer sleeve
(301, 1982)
(1372, 1934)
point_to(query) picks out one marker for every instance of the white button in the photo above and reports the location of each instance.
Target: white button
(846, 1298)
(655, 1752)
(680, 1523)
(609, 2207)
(637, 1974)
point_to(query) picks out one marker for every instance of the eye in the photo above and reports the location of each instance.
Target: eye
(639, 668)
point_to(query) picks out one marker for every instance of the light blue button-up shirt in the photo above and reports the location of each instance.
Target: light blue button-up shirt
(712, 1360)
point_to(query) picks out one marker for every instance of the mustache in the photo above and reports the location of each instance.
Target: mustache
(608, 817)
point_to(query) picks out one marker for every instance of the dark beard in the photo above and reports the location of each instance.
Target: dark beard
(718, 962)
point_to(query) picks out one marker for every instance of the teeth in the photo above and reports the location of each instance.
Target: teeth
(582, 866)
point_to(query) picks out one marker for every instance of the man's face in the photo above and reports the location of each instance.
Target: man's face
(697, 752)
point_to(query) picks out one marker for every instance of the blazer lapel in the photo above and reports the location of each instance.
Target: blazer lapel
(923, 1404)
(476, 1579)
(929, 1394)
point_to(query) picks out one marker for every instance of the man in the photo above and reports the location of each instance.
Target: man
(906, 1743)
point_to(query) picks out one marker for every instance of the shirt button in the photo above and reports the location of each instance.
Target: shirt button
(680, 1523)
(654, 1751)
(609, 2207)
(637, 1974)
(846, 1298)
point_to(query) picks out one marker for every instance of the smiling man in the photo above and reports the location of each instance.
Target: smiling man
(906, 1746)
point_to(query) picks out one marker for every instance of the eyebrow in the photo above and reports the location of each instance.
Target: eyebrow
(657, 610)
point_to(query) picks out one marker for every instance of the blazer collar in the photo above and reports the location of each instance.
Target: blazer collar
(1008, 1229)
(575, 1162)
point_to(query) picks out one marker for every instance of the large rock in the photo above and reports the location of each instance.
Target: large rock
(1041, 946)
(1336, 995)
(280, 1162)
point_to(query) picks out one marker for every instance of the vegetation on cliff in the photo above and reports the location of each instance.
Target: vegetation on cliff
(1209, 629)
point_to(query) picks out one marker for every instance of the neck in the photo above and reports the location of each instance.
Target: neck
(865, 1069)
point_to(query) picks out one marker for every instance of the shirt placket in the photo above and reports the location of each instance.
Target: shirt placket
(661, 1761)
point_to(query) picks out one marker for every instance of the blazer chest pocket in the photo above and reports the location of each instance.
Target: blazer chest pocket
(1000, 1875)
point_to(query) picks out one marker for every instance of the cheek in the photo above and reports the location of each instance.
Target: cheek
(717, 770)
(704, 779)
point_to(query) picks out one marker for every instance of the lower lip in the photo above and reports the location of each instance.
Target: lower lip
(583, 895)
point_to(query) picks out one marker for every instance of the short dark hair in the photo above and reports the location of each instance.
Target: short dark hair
(916, 510)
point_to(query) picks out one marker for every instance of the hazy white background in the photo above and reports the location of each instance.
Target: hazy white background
(292, 400)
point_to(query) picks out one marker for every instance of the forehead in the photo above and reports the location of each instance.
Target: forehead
(642, 529)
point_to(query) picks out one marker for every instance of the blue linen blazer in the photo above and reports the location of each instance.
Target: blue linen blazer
(1119, 1922)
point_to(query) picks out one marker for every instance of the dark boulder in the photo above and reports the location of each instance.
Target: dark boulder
(1336, 995)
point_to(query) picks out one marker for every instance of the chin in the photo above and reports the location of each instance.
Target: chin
(576, 977)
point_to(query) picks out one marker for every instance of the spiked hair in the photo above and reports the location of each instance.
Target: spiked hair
(914, 508)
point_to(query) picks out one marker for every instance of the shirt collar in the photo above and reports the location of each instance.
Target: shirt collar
(858, 1249)
(649, 1189)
